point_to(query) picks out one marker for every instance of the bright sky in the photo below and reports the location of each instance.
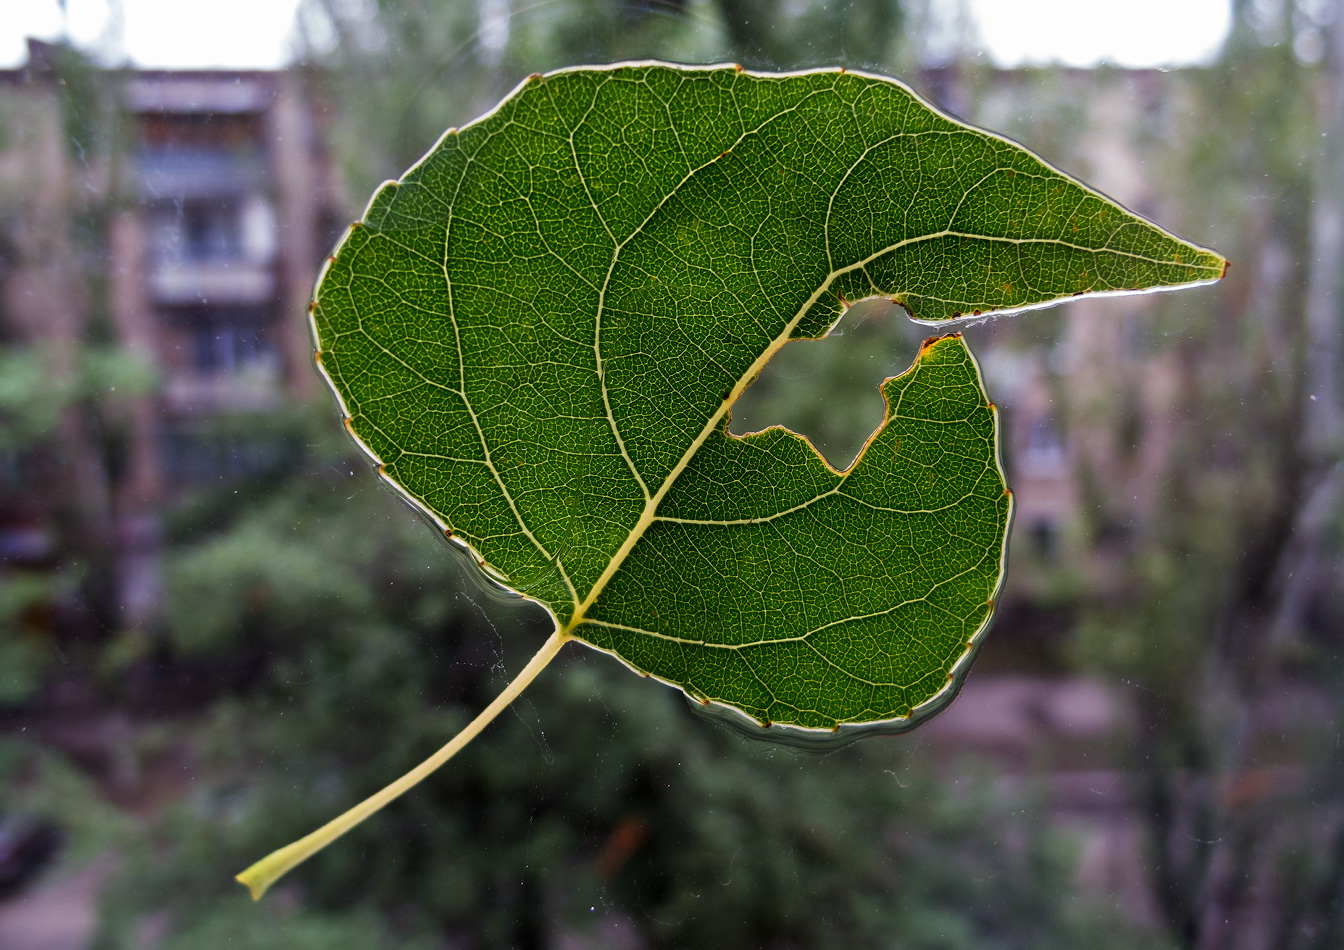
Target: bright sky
(258, 33)
(1134, 33)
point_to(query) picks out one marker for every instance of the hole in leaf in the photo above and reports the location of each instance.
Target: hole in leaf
(828, 390)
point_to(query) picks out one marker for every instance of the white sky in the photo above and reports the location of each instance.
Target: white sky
(258, 33)
(1134, 33)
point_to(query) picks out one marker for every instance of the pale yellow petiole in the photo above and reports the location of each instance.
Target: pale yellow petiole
(275, 865)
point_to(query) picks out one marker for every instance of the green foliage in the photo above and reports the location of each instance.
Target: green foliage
(23, 655)
(287, 931)
(38, 782)
(38, 385)
(539, 330)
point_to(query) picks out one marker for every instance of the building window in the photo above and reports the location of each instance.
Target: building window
(214, 231)
(193, 455)
(233, 348)
(1044, 538)
(211, 232)
(1043, 453)
(197, 232)
(221, 341)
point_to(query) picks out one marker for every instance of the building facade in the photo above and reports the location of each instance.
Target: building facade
(176, 219)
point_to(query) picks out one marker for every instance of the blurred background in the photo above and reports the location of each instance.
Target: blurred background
(217, 630)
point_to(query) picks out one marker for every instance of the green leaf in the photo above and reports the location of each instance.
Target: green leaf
(539, 332)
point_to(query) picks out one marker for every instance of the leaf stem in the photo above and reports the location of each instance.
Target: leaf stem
(275, 865)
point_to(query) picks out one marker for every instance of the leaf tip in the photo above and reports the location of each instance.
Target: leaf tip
(1226, 265)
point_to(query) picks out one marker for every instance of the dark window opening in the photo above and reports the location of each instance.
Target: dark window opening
(228, 340)
(225, 348)
(192, 457)
(1044, 539)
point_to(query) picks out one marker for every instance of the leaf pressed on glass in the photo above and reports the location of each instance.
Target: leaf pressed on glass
(539, 331)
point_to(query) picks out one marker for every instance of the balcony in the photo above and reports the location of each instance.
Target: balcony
(211, 282)
(176, 173)
(254, 387)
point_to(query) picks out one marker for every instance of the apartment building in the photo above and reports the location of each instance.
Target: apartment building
(189, 235)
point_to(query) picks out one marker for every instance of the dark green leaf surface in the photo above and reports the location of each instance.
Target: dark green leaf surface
(540, 329)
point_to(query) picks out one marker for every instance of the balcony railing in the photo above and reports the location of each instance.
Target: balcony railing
(188, 283)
